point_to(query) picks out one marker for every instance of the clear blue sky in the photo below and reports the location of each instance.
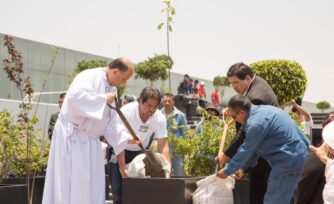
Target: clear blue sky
(208, 36)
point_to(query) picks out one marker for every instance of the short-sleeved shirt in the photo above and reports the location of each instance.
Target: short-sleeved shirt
(201, 91)
(156, 124)
(215, 96)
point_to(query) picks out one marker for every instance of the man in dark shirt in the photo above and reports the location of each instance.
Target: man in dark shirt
(54, 116)
(245, 82)
(184, 87)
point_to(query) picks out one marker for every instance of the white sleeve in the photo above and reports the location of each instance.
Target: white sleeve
(328, 192)
(117, 135)
(83, 100)
(161, 126)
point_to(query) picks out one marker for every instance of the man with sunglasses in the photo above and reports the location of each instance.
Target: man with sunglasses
(245, 82)
(270, 133)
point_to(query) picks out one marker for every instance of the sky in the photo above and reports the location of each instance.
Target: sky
(208, 36)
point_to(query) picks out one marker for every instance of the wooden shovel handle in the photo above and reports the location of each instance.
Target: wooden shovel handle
(127, 125)
(222, 141)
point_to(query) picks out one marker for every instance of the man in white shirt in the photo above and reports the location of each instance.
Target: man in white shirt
(75, 171)
(148, 123)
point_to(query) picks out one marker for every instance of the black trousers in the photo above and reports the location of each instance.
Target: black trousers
(258, 181)
(312, 182)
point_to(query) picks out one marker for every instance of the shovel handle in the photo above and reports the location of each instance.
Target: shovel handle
(127, 125)
(222, 141)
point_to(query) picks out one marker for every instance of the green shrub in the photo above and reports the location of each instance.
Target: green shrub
(200, 150)
(287, 78)
(13, 147)
(323, 105)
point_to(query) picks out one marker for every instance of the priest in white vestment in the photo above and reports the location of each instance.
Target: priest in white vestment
(75, 172)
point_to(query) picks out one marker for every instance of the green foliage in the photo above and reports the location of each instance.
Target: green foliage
(169, 10)
(323, 105)
(154, 68)
(86, 64)
(200, 150)
(287, 78)
(13, 146)
(220, 81)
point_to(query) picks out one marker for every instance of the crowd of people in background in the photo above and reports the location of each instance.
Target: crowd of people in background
(268, 144)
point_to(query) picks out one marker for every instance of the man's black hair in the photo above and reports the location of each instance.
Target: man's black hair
(118, 64)
(239, 102)
(150, 92)
(240, 70)
(62, 95)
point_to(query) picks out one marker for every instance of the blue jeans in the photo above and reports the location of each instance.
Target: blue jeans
(177, 165)
(115, 179)
(280, 190)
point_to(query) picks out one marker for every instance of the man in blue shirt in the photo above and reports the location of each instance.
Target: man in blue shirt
(176, 123)
(273, 135)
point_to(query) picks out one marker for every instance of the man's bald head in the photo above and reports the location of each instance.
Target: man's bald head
(123, 64)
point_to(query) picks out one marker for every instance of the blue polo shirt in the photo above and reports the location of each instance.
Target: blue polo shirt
(272, 134)
(180, 122)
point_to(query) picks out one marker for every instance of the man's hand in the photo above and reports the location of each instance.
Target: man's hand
(110, 97)
(221, 158)
(135, 141)
(239, 174)
(124, 172)
(321, 152)
(221, 174)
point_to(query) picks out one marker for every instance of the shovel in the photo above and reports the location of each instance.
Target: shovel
(222, 141)
(153, 166)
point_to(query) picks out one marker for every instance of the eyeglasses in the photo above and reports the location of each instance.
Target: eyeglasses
(235, 115)
(236, 83)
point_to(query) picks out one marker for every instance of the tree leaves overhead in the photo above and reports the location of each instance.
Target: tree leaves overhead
(287, 78)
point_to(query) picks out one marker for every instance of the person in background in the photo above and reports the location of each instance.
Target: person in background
(128, 99)
(215, 99)
(312, 181)
(196, 86)
(212, 111)
(272, 134)
(177, 124)
(202, 95)
(184, 86)
(326, 154)
(303, 115)
(54, 116)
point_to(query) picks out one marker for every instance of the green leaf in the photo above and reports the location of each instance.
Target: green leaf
(170, 28)
(160, 26)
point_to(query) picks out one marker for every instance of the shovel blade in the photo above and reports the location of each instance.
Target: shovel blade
(153, 166)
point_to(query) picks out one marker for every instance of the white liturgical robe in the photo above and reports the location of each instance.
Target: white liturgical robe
(75, 171)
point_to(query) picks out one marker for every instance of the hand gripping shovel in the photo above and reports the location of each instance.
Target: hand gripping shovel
(153, 166)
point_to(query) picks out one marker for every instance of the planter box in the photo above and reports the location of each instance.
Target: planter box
(13, 193)
(172, 191)
(159, 190)
(38, 187)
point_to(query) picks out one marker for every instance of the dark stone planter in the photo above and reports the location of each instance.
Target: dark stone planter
(173, 190)
(13, 193)
(38, 188)
(191, 108)
(159, 190)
